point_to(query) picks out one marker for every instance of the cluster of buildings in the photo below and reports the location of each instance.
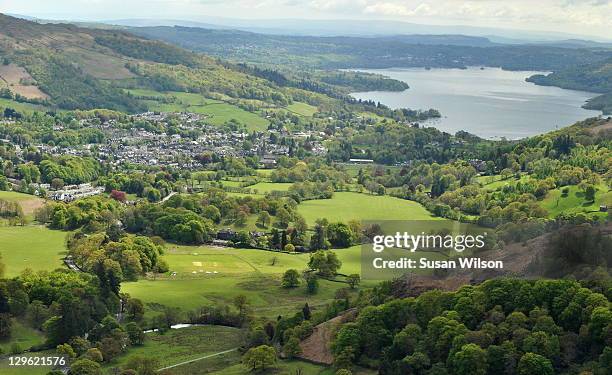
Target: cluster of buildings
(148, 147)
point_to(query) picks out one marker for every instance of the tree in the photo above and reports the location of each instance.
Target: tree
(264, 219)
(135, 309)
(318, 240)
(119, 196)
(325, 262)
(589, 193)
(353, 280)
(312, 282)
(94, 354)
(135, 333)
(531, 363)
(85, 367)
(470, 360)
(66, 350)
(291, 279)
(259, 358)
(340, 235)
(289, 248)
(292, 347)
(142, 365)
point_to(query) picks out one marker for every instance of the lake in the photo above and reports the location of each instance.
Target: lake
(489, 102)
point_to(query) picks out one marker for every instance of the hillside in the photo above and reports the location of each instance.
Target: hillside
(369, 52)
(67, 67)
(593, 77)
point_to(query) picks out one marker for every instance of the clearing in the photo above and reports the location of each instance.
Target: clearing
(345, 206)
(34, 247)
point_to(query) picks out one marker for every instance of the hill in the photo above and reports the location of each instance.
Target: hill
(335, 52)
(593, 77)
(69, 67)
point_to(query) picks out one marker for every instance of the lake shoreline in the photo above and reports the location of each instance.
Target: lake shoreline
(489, 102)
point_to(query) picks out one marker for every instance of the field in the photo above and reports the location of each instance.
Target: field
(21, 107)
(268, 187)
(185, 344)
(302, 109)
(346, 206)
(575, 202)
(253, 273)
(22, 335)
(218, 111)
(34, 247)
(28, 203)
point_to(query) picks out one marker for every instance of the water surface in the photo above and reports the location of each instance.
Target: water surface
(488, 102)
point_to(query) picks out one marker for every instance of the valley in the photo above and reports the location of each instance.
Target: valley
(180, 200)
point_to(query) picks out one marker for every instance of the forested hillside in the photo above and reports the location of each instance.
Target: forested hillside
(593, 77)
(365, 52)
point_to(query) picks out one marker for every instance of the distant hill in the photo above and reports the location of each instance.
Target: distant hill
(69, 67)
(594, 77)
(447, 51)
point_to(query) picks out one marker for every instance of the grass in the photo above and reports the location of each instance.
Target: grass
(29, 203)
(34, 247)
(253, 273)
(23, 335)
(282, 367)
(575, 202)
(218, 112)
(22, 107)
(180, 345)
(345, 206)
(302, 109)
(268, 187)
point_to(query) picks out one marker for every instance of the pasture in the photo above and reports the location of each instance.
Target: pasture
(268, 187)
(253, 273)
(218, 112)
(34, 247)
(302, 109)
(346, 206)
(185, 344)
(575, 202)
(28, 203)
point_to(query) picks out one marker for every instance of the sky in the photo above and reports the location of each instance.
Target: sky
(581, 17)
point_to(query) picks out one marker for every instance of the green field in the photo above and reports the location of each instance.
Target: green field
(302, 109)
(29, 203)
(34, 247)
(22, 335)
(346, 206)
(22, 107)
(268, 187)
(253, 273)
(185, 344)
(218, 111)
(555, 204)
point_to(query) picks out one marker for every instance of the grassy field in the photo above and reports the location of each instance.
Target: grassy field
(253, 273)
(302, 109)
(575, 202)
(22, 107)
(218, 111)
(346, 206)
(268, 187)
(29, 203)
(34, 247)
(184, 344)
(22, 335)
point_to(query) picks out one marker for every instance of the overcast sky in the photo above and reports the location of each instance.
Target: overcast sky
(586, 17)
